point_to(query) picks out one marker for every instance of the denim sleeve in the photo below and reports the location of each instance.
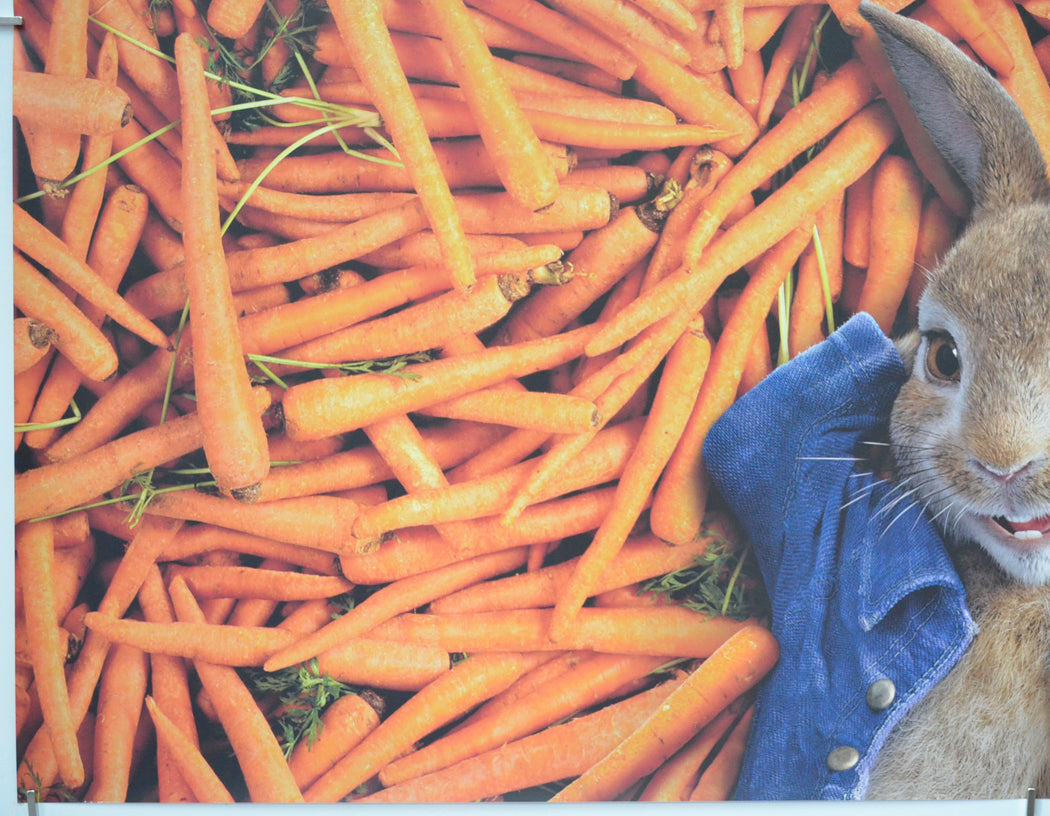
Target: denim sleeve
(821, 404)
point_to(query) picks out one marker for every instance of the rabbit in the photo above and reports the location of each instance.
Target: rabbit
(969, 435)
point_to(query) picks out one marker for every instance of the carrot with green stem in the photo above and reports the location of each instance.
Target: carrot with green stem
(553, 754)
(680, 499)
(234, 438)
(737, 665)
(580, 688)
(344, 723)
(521, 163)
(364, 32)
(469, 683)
(44, 247)
(193, 767)
(855, 148)
(34, 549)
(258, 753)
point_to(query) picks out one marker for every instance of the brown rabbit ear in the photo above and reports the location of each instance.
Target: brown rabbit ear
(971, 119)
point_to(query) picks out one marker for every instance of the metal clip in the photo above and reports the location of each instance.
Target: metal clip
(11, 21)
(31, 802)
(1030, 810)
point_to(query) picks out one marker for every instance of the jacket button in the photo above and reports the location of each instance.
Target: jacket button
(843, 758)
(881, 694)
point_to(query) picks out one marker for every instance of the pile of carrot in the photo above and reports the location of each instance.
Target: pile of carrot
(364, 356)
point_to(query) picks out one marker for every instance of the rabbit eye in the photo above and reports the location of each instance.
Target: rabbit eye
(942, 358)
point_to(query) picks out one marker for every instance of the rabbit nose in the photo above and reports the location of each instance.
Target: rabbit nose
(1000, 474)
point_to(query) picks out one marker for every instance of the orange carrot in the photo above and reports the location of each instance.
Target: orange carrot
(729, 17)
(559, 752)
(666, 631)
(603, 258)
(234, 438)
(233, 18)
(169, 686)
(674, 779)
(599, 461)
(120, 225)
(747, 81)
(470, 682)
(258, 582)
(384, 664)
(735, 667)
(856, 247)
(199, 776)
(896, 207)
(641, 558)
(79, 106)
(365, 34)
(717, 781)
(258, 753)
(855, 148)
(582, 687)
(32, 340)
(322, 407)
(394, 599)
(574, 37)
(549, 412)
(419, 549)
(34, 547)
(344, 724)
(63, 485)
(672, 405)
(808, 306)
(522, 165)
(282, 520)
(623, 23)
(121, 691)
(681, 497)
(795, 40)
(223, 645)
(76, 337)
(938, 227)
(43, 246)
(986, 41)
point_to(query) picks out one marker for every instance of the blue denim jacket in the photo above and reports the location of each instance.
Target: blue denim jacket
(861, 586)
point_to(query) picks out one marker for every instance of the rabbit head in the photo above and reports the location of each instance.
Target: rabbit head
(970, 429)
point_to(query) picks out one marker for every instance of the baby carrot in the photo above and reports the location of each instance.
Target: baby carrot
(234, 437)
(199, 776)
(522, 165)
(735, 667)
(34, 548)
(360, 22)
(258, 753)
(470, 682)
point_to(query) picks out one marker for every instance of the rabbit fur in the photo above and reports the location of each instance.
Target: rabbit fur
(970, 435)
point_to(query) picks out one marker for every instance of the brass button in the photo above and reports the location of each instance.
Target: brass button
(843, 758)
(881, 694)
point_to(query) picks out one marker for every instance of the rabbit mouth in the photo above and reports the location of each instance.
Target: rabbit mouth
(1031, 533)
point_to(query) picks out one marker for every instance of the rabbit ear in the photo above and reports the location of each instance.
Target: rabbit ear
(971, 119)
